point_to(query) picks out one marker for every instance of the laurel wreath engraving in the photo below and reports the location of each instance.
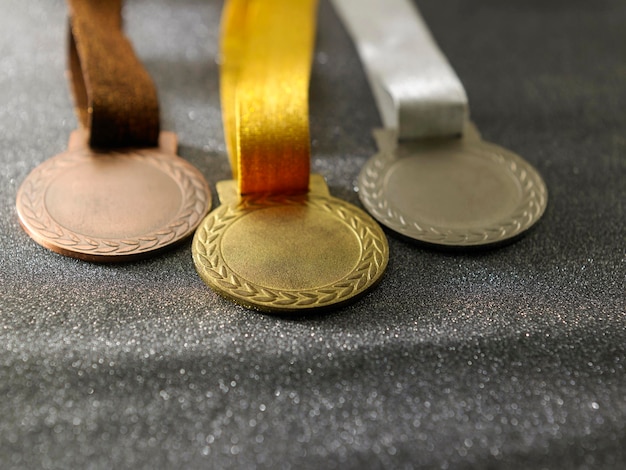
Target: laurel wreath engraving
(217, 274)
(33, 211)
(531, 205)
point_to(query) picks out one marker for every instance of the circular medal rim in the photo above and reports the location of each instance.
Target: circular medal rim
(210, 265)
(532, 205)
(47, 232)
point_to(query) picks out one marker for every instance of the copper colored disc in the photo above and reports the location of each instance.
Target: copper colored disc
(112, 206)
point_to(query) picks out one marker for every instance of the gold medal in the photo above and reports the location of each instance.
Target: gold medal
(455, 192)
(279, 241)
(289, 252)
(119, 192)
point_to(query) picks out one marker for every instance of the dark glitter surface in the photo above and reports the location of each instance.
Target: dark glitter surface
(511, 358)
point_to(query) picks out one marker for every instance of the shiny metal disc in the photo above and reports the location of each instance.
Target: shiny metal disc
(289, 253)
(113, 206)
(462, 192)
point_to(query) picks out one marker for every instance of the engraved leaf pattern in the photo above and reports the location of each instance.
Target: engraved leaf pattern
(530, 207)
(215, 272)
(34, 213)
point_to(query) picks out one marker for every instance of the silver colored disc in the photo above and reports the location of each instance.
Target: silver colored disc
(461, 192)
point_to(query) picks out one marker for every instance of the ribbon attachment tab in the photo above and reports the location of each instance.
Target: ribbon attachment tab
(434, 179)
(279, 241)
(119, 192)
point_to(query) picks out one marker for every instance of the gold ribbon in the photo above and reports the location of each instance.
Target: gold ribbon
(266, 54)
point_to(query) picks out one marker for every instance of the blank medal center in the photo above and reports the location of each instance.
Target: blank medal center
(455, 190)
(114, 197)
(291, 248)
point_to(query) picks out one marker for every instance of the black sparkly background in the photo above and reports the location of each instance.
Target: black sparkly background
(510, 358)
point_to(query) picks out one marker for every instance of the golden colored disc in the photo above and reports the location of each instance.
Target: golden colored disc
(112, 206)
(289, 253)
(461, 192)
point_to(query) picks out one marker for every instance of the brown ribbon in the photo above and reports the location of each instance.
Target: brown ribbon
(116, 100)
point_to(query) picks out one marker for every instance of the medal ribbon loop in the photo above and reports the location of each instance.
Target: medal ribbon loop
(116, 100)
(266, 54)
(416, 90)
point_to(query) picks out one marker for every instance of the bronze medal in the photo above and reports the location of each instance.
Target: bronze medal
(112, 205)
(119, 192)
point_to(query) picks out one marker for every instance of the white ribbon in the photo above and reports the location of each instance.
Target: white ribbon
(417, 91)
